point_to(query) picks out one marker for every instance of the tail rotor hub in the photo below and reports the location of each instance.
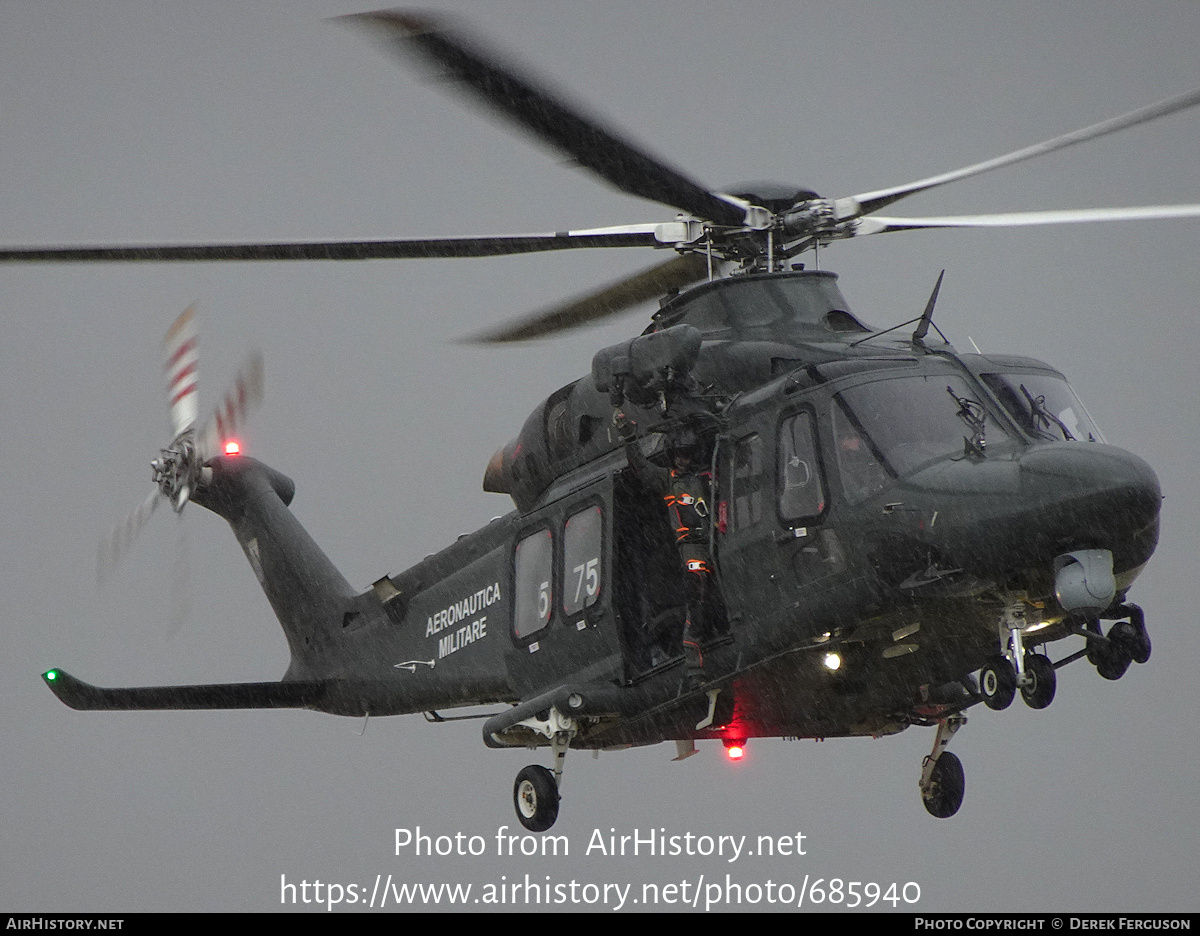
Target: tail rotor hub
(176, 470)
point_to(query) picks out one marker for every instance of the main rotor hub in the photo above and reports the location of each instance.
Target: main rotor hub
(776, 197)
(813, 218)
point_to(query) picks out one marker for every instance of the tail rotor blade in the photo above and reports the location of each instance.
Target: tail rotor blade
(180, 360)
(114, 547)
(230, 417)
(181, 580)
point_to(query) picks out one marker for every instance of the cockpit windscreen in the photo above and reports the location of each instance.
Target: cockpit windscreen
(1044, 406)
(891, 427)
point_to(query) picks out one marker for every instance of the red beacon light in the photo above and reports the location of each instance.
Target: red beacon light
(735, 748)
(232, 447)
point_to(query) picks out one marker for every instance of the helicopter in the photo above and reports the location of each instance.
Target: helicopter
(789, 365)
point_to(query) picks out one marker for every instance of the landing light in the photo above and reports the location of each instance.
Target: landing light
(832, 661)
(232, 448)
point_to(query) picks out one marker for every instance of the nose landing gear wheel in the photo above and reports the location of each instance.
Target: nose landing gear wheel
(1038, 691)
(946, 787)
(535, 797)
(997, 683)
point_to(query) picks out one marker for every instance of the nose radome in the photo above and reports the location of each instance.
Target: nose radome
(1091, 468)
(1118, 490)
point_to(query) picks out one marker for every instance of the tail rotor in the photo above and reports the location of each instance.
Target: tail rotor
(175, 470)
(179, 469)
(114, 546)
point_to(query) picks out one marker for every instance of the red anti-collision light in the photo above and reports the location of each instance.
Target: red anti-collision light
(232, 448)
(735, 751)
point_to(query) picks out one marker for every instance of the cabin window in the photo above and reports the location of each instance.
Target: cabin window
(747, 482)
(533, 583)
(801, 491)
(583, 540)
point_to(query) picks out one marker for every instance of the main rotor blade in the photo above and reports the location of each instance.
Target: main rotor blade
(180, 361)
(405, 248)
(532, 107)
(881, 225)
(230, 417)
(114, 547)
(869, 202)
(610, 300)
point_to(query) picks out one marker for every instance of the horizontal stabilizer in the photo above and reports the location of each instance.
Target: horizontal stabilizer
(80, 695)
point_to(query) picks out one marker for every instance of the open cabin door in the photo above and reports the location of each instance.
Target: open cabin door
(651, 602)
(654, 591)
(773, 502)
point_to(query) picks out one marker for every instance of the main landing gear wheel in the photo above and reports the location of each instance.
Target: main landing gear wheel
(535, 797)
(1127, 642)
(1141, 648)
(1095, 648)
(1113, 658)
(1113, 663)
(1141, 651)
(947, 784)
(997, 683)
(1133, 637)
(1040, 681)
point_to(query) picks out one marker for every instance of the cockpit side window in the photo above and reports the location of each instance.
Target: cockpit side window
(861, 468)
(801, 488)
(747, 482)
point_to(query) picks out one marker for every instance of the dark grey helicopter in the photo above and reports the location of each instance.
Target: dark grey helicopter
(889, 529)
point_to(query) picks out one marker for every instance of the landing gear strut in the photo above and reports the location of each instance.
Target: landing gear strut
(942, 779)
(1014, 669)
(536, 791)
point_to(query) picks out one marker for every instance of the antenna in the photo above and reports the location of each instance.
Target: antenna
(927, 316)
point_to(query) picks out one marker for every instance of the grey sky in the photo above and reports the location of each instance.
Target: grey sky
(145, 122)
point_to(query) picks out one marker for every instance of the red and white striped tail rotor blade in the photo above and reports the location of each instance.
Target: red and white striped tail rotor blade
(230, 417)
(180, 360)
(117, 543)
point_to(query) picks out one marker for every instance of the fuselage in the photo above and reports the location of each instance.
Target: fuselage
(876, 500)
